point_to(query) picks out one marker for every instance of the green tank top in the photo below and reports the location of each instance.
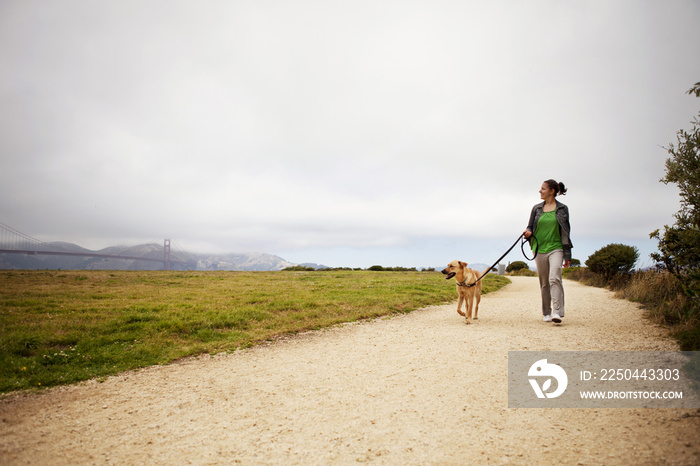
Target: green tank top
(547, 233)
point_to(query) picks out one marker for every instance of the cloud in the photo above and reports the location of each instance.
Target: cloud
(333, 126)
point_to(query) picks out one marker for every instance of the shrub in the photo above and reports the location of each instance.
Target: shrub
(298, 268)
(524, 273)
(679, 245)
(379, 268)
(585, 276)
(689, 340)
(612, 260)
(517, 265)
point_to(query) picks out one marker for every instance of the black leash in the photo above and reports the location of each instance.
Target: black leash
(522, 248)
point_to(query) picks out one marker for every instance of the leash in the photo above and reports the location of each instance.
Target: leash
(522, 248)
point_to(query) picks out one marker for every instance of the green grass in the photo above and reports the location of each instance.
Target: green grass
(61, 327)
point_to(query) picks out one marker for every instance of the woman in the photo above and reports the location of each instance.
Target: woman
(549, 224)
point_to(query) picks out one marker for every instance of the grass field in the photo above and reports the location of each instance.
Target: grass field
(60, 327)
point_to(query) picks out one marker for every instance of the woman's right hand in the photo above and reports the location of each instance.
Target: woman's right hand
(527, 234)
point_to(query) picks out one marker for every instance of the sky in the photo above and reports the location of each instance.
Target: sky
(397, 133)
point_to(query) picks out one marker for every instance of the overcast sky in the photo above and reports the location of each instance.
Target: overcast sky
(348, 133)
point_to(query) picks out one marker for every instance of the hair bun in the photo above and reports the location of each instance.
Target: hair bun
(558, 187)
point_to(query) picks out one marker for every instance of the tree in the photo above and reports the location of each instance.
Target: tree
(679, 245)
(612, 260)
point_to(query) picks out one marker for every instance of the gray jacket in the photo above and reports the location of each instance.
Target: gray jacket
(564, 226)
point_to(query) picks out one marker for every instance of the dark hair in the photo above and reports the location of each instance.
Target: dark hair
(558, 188)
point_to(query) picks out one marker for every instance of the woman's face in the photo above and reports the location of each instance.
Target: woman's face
(546, 191)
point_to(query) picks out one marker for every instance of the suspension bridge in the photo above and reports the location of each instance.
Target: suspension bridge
(16, 242)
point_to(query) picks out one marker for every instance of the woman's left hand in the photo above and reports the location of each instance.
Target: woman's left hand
(567, 263)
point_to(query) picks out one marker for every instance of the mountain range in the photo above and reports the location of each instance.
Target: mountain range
(140, 257)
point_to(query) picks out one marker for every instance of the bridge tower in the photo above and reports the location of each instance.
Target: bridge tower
(166, 254)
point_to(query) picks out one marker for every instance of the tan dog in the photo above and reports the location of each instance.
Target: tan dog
(466, 276)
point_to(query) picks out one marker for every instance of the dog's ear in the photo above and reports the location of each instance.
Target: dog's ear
(463, 264)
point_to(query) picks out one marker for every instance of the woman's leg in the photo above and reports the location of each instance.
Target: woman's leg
(556, 289)
(542, 264)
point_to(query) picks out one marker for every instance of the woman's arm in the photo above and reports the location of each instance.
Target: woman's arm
(530, 224)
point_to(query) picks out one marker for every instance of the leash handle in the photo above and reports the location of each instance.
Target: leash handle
(527, 240)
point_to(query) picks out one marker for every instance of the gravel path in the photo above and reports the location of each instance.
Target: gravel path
(422, 388)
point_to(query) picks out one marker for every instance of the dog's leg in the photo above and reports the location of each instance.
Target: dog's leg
(459, 304)
(469, 304)
(476, 308)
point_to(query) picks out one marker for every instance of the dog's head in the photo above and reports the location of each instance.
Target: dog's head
(453, 267)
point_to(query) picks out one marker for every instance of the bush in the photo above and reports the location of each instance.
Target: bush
(679, 245)
(517, 265)
(524, 273)
(585, 276)
(298, 268)
(379, 268)
(689, 340)
(612, 260)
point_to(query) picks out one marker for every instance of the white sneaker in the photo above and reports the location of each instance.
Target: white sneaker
(556, 318)
(547, 318)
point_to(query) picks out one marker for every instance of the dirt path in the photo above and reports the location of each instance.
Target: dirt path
(421, 388)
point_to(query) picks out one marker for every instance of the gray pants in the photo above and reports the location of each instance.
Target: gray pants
(549, 270)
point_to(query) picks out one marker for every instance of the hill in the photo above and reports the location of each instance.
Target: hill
(139, 257)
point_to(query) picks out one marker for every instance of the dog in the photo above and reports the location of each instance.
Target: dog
(467, 294)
